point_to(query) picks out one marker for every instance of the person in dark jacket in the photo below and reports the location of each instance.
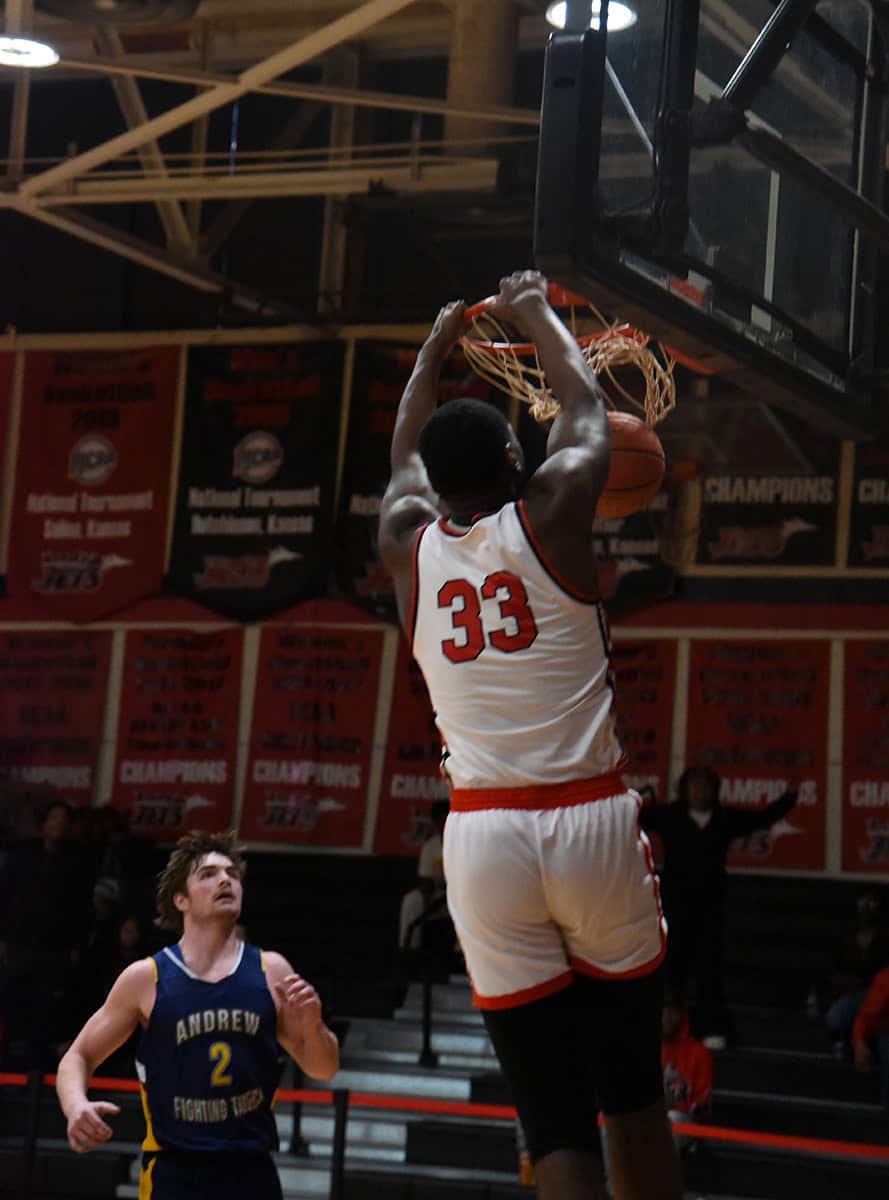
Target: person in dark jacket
(695, 834)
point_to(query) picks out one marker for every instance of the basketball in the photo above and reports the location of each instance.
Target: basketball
(637, 467)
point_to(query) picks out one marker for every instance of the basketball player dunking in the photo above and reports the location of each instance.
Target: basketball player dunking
(550, 884)
(213, 1012)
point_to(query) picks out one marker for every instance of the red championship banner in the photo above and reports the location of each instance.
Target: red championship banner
(52, 703)
(412, 780)
(866, 757)
(757, 714)
(312, 736)
(177, 732)
(92, 481)
(644, 681)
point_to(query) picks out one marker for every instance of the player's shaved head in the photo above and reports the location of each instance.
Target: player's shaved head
(464, 446)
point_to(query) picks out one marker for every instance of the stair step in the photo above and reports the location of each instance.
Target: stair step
(406, 1081)
(409, 1036)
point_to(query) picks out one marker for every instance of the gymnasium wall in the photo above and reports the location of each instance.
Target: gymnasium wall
(195, 626)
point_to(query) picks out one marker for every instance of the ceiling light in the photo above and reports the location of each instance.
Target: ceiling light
(22, 52)
(620, 16)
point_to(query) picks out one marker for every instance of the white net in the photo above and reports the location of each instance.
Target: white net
(515, 367)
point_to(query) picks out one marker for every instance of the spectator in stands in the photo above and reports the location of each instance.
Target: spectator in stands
(105, 915)
(105, 959)
(99, 967)
(871, 1031)
(695, 834)
(45, 895)
(429, 895)
(687, 1065)
(859, 957)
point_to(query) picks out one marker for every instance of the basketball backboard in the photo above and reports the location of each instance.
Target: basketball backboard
(714, 174)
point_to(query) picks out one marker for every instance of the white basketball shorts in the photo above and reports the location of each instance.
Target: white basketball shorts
(539, 894)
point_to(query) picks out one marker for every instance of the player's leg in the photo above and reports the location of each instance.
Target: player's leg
(515, 956)
(614, 932)
(642, 1156)
(544, 1049)
(626, 1018)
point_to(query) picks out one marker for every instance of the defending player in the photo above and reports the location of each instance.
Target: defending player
(213, 1012)
(549, 880)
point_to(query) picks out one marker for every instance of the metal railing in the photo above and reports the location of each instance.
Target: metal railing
(343, 1100)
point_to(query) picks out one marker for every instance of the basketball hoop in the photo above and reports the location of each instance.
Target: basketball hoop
(514, 366)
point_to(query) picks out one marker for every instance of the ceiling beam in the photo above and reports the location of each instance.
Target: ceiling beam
(200, 133)
(135, 114)
(349, 26)
(19, 14)
(125, 245)
(323, 93)
(340, 179)
(18, 126)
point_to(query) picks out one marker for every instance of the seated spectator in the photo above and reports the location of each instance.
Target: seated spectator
(429, 897)
(859, 957)
(871, 1031)
(687, 1065)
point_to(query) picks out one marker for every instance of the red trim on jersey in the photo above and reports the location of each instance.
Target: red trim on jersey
(461, 531)
(543, 559)
(524, 995)
(538, 795)
(415, 584)
(582, 967)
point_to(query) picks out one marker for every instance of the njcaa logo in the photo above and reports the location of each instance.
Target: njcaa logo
(92, 460)
(258, 457)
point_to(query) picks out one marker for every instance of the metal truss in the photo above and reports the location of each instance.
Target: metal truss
(132, 167)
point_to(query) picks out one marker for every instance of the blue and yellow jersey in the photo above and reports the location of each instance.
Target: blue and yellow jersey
(208, 1059)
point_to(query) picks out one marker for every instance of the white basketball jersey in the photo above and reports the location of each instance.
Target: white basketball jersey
(516, 663)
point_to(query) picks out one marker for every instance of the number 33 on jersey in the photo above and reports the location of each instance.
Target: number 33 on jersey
(505, 646)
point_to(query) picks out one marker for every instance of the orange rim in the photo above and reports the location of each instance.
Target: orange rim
(560, 297)
(526, 349)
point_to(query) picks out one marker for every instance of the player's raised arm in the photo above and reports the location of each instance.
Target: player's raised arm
(104, 1032)
(409, 501)
(567, 485)
(301, 1028)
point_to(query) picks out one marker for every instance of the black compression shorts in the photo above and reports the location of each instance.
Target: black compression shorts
(593, 1047)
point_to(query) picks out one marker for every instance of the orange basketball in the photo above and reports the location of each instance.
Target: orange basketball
(637, 467)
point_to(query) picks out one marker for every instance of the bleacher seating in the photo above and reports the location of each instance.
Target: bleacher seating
(336, 918)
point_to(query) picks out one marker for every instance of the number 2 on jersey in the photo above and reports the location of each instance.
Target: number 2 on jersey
(465, 604)
(221, 1054)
